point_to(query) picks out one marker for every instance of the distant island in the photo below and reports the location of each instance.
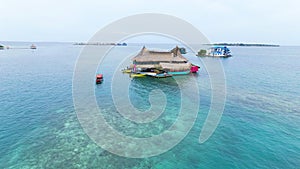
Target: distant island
(244, 44)
(100, 44)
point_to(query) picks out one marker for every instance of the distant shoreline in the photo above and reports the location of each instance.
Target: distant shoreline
(245, 44)
(141, 43)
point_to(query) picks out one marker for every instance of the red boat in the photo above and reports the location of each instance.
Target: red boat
(99, 78)
(194, 69)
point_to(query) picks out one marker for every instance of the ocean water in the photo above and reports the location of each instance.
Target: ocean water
(259, 128)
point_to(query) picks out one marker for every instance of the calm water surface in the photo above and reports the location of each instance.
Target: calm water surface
(259, 128)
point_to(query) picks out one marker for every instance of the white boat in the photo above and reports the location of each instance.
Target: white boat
(32, 46)
(149, 73)
(218, 52)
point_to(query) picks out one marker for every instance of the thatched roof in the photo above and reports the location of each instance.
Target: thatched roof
(176, 66)
(145, 66)
(146, 55)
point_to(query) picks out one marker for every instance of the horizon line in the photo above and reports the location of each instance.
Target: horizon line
(213, 43)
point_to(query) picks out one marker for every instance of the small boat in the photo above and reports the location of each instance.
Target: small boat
(149, 73)
(1, 47)
(32, 46)
(180, 73)
(137, 75)
(99, 78)
(163, 75)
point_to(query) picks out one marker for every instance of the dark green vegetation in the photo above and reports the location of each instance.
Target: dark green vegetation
(245, 44)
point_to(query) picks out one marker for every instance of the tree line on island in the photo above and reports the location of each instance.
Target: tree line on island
(244, 44)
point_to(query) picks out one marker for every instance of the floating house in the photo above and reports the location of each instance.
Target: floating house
(157, 62)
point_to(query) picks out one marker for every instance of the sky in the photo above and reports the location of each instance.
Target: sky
(244, 21)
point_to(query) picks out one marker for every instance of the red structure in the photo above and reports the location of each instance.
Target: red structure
(194, 69)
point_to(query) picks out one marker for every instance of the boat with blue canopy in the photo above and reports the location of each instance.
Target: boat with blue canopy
(218, 51)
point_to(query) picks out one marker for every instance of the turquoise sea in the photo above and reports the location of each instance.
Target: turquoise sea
(260, 126)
